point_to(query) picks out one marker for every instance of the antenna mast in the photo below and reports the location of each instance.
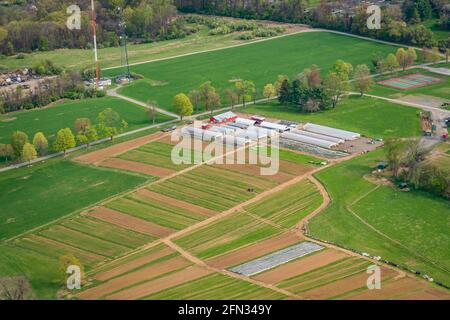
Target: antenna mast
(94, 33)
(123, 44)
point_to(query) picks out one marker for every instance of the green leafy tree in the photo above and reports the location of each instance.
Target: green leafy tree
(391, 63)
(280, 79)
(18, 140)
(110, 123)
(28, 153)
(64, 140)
(343, 69)
(40, 143)
(88, 136)
(363, 80)
(402, 58)
(182, 106)
(335, 87)
(269, 91)
(245, 90)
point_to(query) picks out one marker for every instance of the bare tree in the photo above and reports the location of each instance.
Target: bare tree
(15, 288)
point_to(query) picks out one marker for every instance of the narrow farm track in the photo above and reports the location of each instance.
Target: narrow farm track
(414, 253)
(201, 263)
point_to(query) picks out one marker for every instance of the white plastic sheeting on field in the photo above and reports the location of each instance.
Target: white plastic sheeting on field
(343, 134)
(308, 140)
(244, 121)
(204, 135)
(274, 126)
(318, 136)
(276, 259)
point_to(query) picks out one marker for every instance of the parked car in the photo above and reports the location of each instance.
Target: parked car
(173, 128)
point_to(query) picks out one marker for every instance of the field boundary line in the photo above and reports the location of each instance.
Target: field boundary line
(216, 217)
(302, 229)
(203, 264)
(73, 213)
(352, 211)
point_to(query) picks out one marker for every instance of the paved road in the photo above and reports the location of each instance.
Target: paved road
(113, 93)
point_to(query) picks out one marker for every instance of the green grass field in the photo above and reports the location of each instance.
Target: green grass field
(227, 234)
(440, 90)
(286, 208)
(415, 223)
(110, 57)
(288, 55)
(371, 117)
(36, 195)
(213, 188)
(217, 287)
(62, 115)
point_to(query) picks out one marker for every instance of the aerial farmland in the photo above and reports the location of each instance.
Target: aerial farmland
(216, 157)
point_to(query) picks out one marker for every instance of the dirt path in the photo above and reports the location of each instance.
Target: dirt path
(382, 234)
(201, 263)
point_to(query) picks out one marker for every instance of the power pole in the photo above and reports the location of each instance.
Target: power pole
(94, 34)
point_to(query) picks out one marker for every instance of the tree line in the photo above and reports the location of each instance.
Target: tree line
(408, 162)
(400, 23)
(21, 149)
(41, 25)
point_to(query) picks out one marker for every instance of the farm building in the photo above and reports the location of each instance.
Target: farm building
(258, 119)
(233, 140)
(224, 117)
(318, 136)
(252, 134)
(244, 121)
(309, 140)
(205, 135)
(332, 132)
(274, 126)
